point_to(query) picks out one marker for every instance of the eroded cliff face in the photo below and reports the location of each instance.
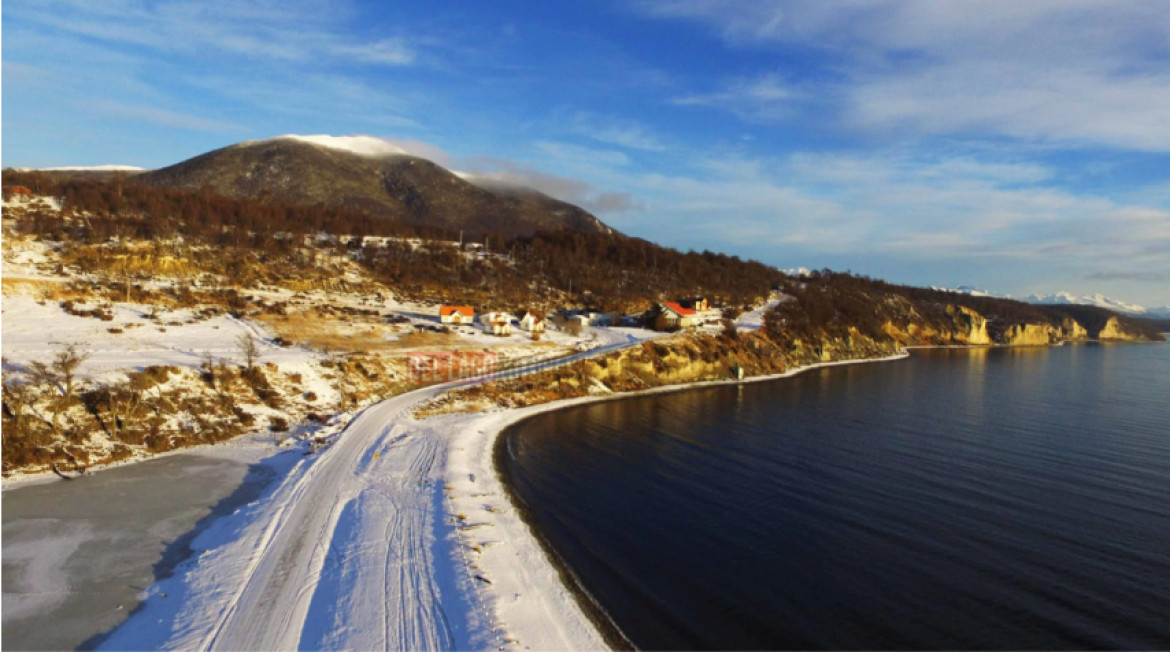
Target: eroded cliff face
(968, 327)
(1114, 331)
(1072, 330)
(684, 358)
(1029, 335)
(976, 325)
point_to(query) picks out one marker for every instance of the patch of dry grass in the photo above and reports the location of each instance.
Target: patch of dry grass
(338, 333)
(44, 289)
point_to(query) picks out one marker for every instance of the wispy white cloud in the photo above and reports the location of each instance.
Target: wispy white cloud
(492, 171)
(338, 102)
(582, 156)
(292, 31)
(163, 117)
(911, 207)
(1074, 72)
(765, 98)
(616, 131)
(391, 51)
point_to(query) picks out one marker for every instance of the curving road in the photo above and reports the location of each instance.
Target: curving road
(345, 552)
(270, 608)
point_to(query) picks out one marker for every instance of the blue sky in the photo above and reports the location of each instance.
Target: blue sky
(1023, 147)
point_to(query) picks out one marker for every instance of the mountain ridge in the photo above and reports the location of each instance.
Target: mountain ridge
(372, 176)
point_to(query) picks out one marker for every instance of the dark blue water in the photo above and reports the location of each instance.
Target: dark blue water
(978, 499)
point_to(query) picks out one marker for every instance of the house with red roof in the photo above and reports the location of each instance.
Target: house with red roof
(671, 316)
(456, 314)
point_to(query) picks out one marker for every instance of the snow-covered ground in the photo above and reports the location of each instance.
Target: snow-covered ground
(37, 330)
(754, 319)
(395, 534)
(357, 548)
(398, 535)
(95, 168)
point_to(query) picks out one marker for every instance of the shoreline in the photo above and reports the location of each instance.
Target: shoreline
(259, 439)
(482, 549)
(525, 582)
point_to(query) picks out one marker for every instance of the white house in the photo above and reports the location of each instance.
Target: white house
(496, 323)
(532, 322)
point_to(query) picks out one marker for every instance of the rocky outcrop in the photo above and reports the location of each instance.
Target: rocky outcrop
(976, 326)
(1114, 331)
(685, 358)
(968, 327)
(1071, 329)
(1030, 335)
(699, 356)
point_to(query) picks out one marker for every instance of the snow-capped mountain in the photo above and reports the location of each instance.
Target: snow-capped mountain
(971, 290)
(1101, 301)
(1070, 299)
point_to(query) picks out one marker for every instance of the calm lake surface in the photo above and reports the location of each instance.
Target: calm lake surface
(986, 499)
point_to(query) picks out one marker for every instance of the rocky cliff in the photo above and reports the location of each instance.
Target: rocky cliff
(684, 358)
(699, 356)
(1115, 331)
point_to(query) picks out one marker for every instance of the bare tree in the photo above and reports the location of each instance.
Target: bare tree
(58, 380)
(249, 349)
(123, 407)
(66, 363)
(18, 395)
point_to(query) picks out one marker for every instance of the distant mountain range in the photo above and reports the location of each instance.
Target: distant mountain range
(369, 175)
(1070, 299)
(1100, 300)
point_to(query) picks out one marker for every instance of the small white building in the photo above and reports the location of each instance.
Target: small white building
(532, 322)
(496, 323)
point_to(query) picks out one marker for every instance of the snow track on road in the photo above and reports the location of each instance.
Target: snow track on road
(338, 555)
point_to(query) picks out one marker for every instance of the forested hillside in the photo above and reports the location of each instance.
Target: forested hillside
(606, 271)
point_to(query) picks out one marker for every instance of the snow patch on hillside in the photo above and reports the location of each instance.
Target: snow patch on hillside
(971, 291)
(95, 168)
(363, 145)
